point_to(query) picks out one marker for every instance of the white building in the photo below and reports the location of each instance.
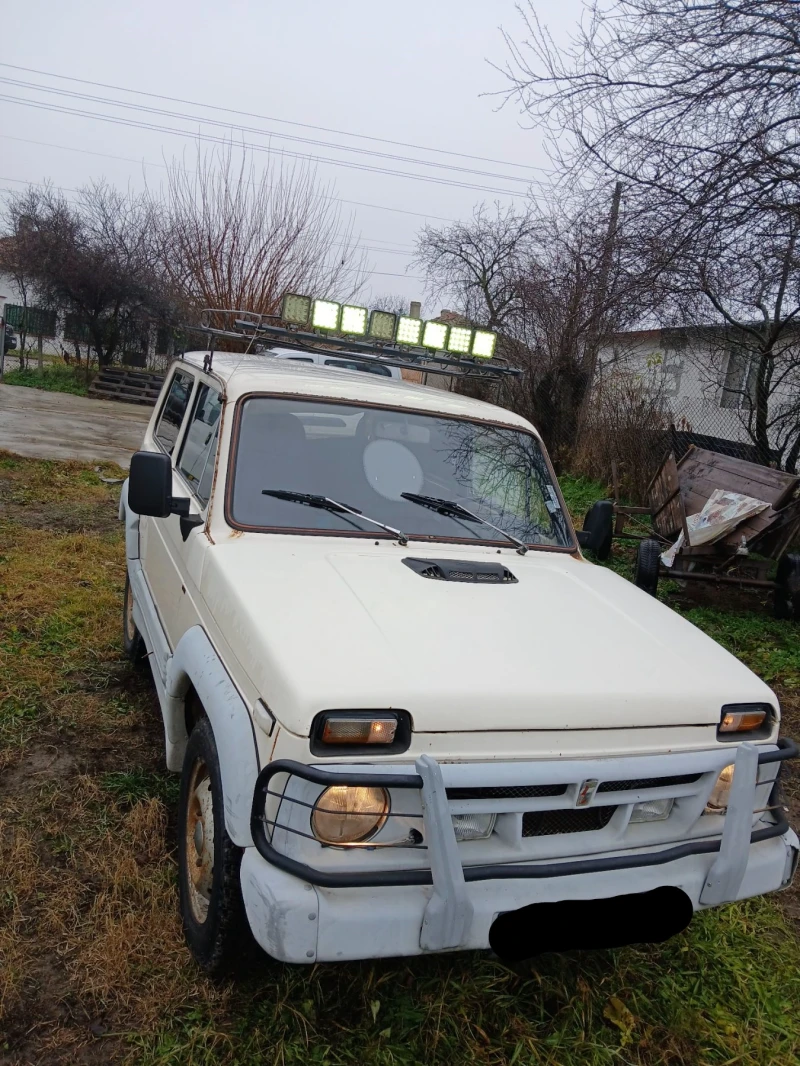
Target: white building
(707, 381)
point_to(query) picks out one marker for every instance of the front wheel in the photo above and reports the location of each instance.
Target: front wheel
(212, 910)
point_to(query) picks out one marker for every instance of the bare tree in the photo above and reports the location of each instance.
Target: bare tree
(695, 106)
(555, 282)
(93, 257)
(697, 101)
(235, 238)
(479, 263)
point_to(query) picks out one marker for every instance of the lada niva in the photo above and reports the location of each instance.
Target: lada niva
(409, 715)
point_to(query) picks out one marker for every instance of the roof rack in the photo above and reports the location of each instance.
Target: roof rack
(259, 330)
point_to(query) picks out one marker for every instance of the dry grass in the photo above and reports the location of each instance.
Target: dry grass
(92, 964)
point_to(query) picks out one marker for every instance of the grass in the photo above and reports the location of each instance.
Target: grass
(93, 965)
(53, 378)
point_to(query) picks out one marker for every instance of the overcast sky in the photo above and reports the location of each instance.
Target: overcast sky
(413, 71)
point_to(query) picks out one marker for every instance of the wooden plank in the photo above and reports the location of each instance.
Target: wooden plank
(704, 477)
(737, 475)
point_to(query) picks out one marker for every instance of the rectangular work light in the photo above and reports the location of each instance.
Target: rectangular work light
(435, 335)
(296, 309)
(409, 330)
(354, 320)
(460, 340)
(382, 325)
(325, 314)
(483, 344)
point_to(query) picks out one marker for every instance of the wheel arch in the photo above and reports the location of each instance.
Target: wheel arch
(195, 671)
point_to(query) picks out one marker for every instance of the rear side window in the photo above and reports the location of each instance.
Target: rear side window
(173, 411)
(200, 442)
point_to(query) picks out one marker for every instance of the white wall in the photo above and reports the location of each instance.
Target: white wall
(689, 372)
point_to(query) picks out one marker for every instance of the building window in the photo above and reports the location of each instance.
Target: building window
(741, 379)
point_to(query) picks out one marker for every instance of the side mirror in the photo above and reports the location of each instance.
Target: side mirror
(150, 486)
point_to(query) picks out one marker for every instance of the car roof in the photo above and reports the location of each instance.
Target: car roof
(245, 374)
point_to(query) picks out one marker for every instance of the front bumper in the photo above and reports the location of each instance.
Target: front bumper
(302, 913)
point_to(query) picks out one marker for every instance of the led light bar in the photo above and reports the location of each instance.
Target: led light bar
(296, 309)
(460, 340)
(483, 344)
(382, 325)
(409, 330)
(354, 320)
(325, 315)
(435, 335)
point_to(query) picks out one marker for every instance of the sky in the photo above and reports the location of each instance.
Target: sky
(417, 72)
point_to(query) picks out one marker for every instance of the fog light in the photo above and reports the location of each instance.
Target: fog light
(652, 810)
(344, 814)
(720, 793)
(474, 826)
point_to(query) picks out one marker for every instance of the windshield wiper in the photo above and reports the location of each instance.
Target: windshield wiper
(455, 510)
(324, 503)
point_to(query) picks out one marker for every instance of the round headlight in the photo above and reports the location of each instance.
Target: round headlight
(720, 793)
(347, 815)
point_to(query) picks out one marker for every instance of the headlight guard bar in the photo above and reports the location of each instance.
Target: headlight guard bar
(786, 749)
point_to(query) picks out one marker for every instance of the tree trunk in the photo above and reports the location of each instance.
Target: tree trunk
(760, 432)
(40, 360)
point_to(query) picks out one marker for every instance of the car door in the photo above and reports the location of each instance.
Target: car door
(194, 472)
(161, 567)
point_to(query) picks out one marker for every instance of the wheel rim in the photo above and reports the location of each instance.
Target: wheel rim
(199, 843)
(130, 625)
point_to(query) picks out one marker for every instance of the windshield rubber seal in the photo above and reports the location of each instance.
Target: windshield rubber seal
(569, 549)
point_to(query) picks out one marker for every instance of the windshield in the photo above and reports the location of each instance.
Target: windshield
(367, 458)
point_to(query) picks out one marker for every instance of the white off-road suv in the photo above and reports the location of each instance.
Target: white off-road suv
(409, 715)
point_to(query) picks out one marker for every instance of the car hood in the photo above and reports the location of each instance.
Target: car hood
(570, 645)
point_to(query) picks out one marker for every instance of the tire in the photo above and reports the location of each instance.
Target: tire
(599, 521)
(787, 590)
(131, 637)
(211, 905)
(648, 558)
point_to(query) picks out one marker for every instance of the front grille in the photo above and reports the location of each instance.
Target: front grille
(553, 823)
(506, 792)
(648, 782)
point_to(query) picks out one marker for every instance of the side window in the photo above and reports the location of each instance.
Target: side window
(173, 411)
(200, 443)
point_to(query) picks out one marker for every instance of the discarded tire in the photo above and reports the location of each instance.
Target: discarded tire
(787, 591)
(599, 521)
(647, 563)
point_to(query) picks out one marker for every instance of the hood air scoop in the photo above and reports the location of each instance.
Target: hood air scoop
(461, 570)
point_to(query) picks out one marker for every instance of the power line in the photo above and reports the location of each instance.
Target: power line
(268, 118)
(152, 127)
(164, 166)
(91, 98)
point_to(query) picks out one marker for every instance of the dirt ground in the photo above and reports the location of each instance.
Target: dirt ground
(57, 425)
(93, 968)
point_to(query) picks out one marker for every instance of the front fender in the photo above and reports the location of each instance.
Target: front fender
(131, 521)
(195, 663)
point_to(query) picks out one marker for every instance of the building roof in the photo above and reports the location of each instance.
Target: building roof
(242, 374)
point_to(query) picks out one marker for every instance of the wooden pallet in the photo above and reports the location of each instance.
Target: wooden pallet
(127, 386)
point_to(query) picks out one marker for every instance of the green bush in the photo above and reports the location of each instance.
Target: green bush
(52, 378)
